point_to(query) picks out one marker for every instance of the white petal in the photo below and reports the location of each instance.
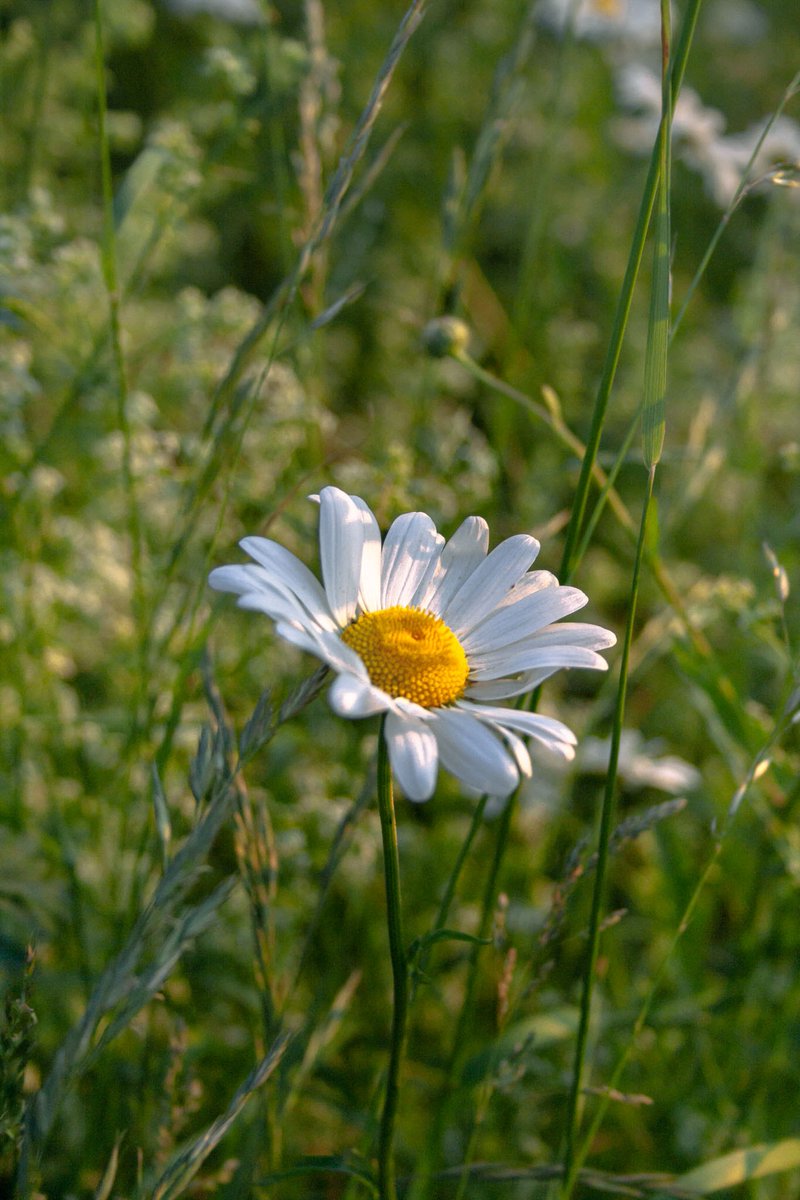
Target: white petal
(505, 688)
(514, 622)
(413, 754)
(472, 753)
(548, 730)
(258, 592)
(369, 588)
(278, 606)
(407, 708)
(341, 546)
(286, 570)
(327, 646)
(237, 579)
(352, 697)
(487, 585)
(304, 639)
(430, 574)
(532, 581)
(465, 550)
(512, 659)
(576, 633)
(519, 750)
(411, 543)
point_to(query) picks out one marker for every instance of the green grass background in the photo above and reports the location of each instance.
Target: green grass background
(132, 462)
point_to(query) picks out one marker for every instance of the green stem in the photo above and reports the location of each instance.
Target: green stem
(744, 187)
(623, 307)
(111, 280)
(606, 823)
(391, 867)
(450, 890)
(467, 1006)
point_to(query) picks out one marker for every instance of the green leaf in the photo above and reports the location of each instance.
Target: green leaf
(444, 935)
(755, 1162)
(105, 1185)
(184, 1166)
(161, 809)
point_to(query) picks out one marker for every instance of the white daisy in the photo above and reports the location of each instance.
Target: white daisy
(430, 633)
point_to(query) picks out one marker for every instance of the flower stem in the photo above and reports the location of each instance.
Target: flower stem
(391, 867)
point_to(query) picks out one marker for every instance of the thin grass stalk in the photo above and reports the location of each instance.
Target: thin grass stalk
(391, 867)
(655, 367)
(782, 725)
(229, 398)
(606, 823)
(543, 177)
(551, 417)
(44, 33)
(678, 68)
(179, 1173)
(422, 1186)
(452, 882)
(739, 195)
(421, 1183)
(468, 192)
(113, 988)
(443, 912)
(487, 909)
(606, 490)
(339, 844)
(653, 422)
(111, 280)
(332, 204)
(607, 494)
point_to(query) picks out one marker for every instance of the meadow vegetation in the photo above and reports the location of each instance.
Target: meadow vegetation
(251, 249)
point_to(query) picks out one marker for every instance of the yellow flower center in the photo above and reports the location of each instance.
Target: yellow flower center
(410, 653)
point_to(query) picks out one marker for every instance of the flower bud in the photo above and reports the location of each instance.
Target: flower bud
(445, 336)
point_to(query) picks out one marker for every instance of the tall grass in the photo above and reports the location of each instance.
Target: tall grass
(251, 250)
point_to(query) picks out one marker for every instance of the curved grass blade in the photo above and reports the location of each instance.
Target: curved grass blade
(741, 1166)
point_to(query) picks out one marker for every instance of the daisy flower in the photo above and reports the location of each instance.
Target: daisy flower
(430, 633)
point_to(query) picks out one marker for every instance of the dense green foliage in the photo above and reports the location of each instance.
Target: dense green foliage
(244, 331)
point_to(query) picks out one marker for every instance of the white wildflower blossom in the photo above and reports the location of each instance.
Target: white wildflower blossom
(641, 763)
(699, 136)
(635, 21)
(430, 633)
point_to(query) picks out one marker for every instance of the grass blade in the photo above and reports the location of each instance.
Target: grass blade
(741, 1166)
(185, 1165)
